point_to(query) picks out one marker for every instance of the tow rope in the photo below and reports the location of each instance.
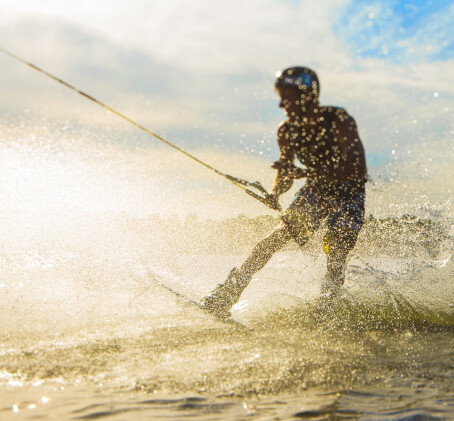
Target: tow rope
(260, 194)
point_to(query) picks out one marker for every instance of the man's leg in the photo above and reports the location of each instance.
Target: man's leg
(344, 226)
(340, 244)
(301, 218)
(225, 295)
(265, 249)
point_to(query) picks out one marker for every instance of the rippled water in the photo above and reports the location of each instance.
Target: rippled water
(128, 349)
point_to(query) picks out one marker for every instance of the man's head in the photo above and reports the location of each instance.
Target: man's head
(299, 90)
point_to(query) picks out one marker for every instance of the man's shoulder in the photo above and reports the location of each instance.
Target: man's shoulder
(283, 127)
(334, 111)
(336, 115)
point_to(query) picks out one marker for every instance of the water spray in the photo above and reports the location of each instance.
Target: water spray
(238, 182)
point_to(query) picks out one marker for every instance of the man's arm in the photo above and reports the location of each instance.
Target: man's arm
(282, 182)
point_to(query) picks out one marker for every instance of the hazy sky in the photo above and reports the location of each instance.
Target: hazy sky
(201, 72)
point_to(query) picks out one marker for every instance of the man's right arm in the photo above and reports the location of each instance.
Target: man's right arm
(282, 182)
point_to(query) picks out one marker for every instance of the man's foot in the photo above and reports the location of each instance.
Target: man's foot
(225, 295)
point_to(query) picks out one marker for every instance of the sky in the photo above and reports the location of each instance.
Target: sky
(200, 73)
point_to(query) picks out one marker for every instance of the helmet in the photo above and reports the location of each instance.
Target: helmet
(299, 77)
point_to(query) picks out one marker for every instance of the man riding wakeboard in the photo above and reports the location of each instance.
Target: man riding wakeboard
(326, 142)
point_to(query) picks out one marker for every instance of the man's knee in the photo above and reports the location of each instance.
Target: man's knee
(341, 239)
(296, 225)
(278, 238)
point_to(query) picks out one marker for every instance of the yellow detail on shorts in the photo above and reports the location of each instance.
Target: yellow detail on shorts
(326, 241)
(326, 248)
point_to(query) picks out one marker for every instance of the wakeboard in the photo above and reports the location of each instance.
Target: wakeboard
(196, 305)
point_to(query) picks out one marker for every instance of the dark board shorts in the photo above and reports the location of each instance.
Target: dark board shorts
(341, 205)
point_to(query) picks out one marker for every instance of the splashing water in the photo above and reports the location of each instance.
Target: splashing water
(87, 228)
